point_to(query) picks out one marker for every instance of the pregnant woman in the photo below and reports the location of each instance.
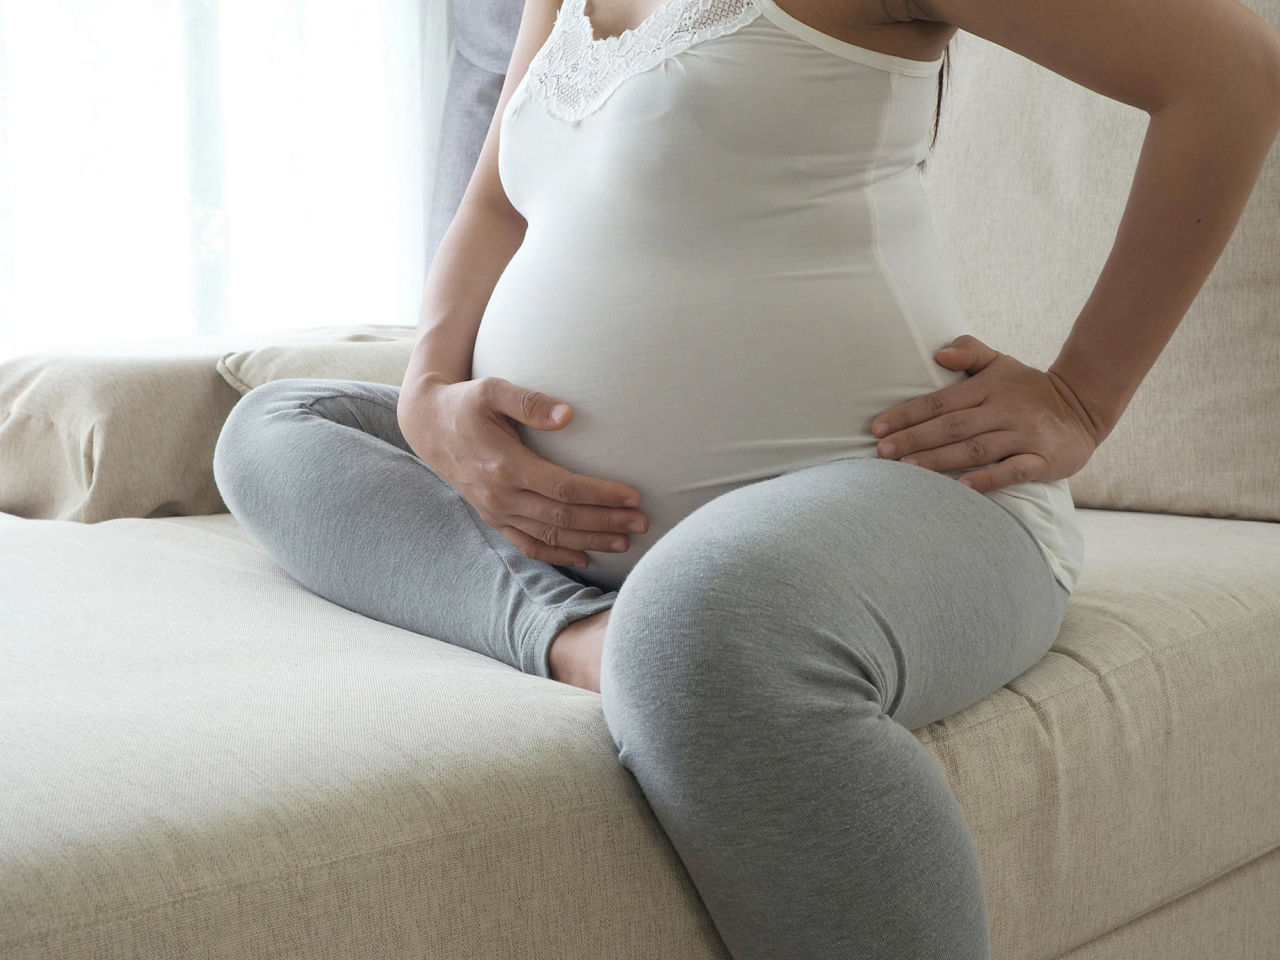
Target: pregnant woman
(636, 448)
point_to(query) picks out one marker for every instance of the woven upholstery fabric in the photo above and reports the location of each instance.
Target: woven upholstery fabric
(90, 437)
(1235, 916)
(208, 760)
(129, 431)
(370, 352)
(1029, 178)
(1141, 757)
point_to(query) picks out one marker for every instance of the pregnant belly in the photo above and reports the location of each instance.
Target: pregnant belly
(688, 390)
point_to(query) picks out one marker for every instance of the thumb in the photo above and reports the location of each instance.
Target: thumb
(954, 357)
(532, 407)
(967, 352)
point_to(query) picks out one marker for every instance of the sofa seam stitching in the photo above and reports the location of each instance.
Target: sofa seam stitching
(1210, 881)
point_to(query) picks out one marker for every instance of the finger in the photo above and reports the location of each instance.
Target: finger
(530, 407)
(957, 426)
(1020, 468)
(557, 483)
(927, 406)
(966, 353)
(975, 348)
(562, 530)
(577, 540)
(584, 518)
(975, 451)
(532, 547)
(957, 358)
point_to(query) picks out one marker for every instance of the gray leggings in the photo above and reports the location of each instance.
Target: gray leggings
(764, 665)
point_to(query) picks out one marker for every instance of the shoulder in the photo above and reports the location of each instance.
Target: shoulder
(1128, 50)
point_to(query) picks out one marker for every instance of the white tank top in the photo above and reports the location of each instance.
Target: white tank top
(730, 265)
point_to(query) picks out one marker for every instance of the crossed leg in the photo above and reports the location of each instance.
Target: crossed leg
(764, 663)
(763, 667)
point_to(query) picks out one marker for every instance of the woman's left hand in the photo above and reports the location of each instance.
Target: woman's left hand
(1029, 420)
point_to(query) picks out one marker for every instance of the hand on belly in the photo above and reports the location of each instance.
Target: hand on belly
(467, 433)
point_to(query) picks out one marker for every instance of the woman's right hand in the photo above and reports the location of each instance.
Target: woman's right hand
(464, 432)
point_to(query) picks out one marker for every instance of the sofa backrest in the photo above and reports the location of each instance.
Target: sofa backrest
(1029, 178)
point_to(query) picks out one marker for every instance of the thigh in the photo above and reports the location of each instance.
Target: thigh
(765, 664)
(320, 474)
(921, 592)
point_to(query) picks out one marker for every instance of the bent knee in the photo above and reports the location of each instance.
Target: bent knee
(695, 620)
(715, 630)
(273, 396)
(247, 440)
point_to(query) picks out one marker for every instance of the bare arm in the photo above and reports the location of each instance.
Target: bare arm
(484, 234)
(1208, 73)
(473, 252)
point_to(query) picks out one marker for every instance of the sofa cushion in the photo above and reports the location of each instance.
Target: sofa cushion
(1234, 917)
(128, 430)
(1029, 179)
(90, 437)
(209, 759)
(370, 352)
(1141, 757)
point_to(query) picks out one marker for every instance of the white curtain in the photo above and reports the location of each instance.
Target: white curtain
(175, 168)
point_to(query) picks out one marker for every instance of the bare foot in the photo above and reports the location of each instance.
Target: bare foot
(575, 653)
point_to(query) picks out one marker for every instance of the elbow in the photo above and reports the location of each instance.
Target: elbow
(1271, 93)
(1247, 88)
(1261, 81)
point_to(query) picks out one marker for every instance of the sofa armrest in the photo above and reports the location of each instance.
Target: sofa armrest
(96, 433)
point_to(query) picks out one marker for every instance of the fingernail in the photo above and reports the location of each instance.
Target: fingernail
(910, 460)
(559, 411)
(635, 526)
(631, 502)
(880, 429)
(886, 450)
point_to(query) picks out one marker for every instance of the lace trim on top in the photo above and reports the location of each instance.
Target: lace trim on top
(574, 73)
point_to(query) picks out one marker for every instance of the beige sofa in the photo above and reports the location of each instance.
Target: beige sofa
(202, 759)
